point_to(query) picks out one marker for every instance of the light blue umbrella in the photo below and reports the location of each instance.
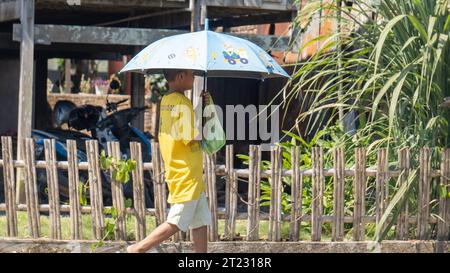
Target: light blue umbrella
(208, 54)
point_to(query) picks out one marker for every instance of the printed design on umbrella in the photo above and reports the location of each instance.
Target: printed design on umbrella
(232, 55)
(143, 57)
(191, 54)
(267, 63)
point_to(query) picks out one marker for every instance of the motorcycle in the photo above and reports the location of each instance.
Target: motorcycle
(104, 124)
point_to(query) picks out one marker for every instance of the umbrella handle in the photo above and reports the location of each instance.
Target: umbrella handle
(203, 90)
(203, 99)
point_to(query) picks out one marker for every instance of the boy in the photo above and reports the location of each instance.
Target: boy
(183, 163)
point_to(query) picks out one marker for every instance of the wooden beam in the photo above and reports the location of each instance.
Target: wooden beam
(195, 7)
(198, 9)
(9, 10)
(108, 4)
(145, 4)
(26, 84)
(138, 95)
(48, 34)
(253, 19)
(42, 120)
(252, 4)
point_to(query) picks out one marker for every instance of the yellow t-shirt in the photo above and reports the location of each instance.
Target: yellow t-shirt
(182, 154)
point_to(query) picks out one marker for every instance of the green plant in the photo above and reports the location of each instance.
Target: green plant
(157, 85)
(389, 65)
(327, 139)
(83, 188)
(121, 168)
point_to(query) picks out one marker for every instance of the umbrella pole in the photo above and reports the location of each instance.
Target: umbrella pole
(203, 100)
(203, 90)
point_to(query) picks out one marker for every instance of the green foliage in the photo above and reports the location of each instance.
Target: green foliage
(82, 188)
(110, 227)
(158, 86)
(394, 72)
(327, 139)
(390, 70)
(121, 168)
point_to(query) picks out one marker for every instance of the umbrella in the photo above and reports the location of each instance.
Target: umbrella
(208, 54)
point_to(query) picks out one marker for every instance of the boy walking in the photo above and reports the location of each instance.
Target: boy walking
(183, 163)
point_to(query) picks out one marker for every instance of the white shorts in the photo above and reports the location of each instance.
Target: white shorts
(192, 214)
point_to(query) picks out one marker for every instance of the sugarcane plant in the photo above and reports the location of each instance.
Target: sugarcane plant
(384, 70)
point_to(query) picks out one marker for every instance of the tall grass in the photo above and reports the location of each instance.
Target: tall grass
(389, 66)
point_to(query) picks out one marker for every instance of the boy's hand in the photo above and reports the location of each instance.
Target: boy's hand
(206, 96)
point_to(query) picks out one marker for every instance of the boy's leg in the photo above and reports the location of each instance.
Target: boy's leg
(202, 218)
(180, 215)
(161, 233)
(200, 239)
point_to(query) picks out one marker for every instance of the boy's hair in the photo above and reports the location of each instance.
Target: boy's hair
(171, 74)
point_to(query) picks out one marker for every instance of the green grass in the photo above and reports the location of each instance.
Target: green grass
(241, 227)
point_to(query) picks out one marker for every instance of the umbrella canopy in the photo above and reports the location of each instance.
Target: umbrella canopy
(209, 54)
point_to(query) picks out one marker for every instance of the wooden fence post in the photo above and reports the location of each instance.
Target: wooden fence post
(296, 194)
(53, 188)
(95, 189)
(253, 193)
(8, 181)
(158, 184)
(338, 193)
(76, 231)
(317, 188)
(360, 192)
(156, 176)
(275, 195)
(382, 182)
(444, 201)
(231, 194)
(423, 210)
(31, 187)
(212, 195)
(402, 222)
(138, 190)
(117, 194)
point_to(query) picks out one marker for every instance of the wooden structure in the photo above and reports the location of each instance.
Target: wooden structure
(32, 31)
(360, 173)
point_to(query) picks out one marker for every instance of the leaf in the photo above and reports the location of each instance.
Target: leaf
(126, 177)
(383, 91)
(396, 200)
(131, 165)
(114, 213)
(431, 122)
(83, 199)
(116, 175)
(128, 202)
(396, 93)
(109, 228)
(105, 162)
(419, 27)
(122, 176)
(381, 40)
(443, 191)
